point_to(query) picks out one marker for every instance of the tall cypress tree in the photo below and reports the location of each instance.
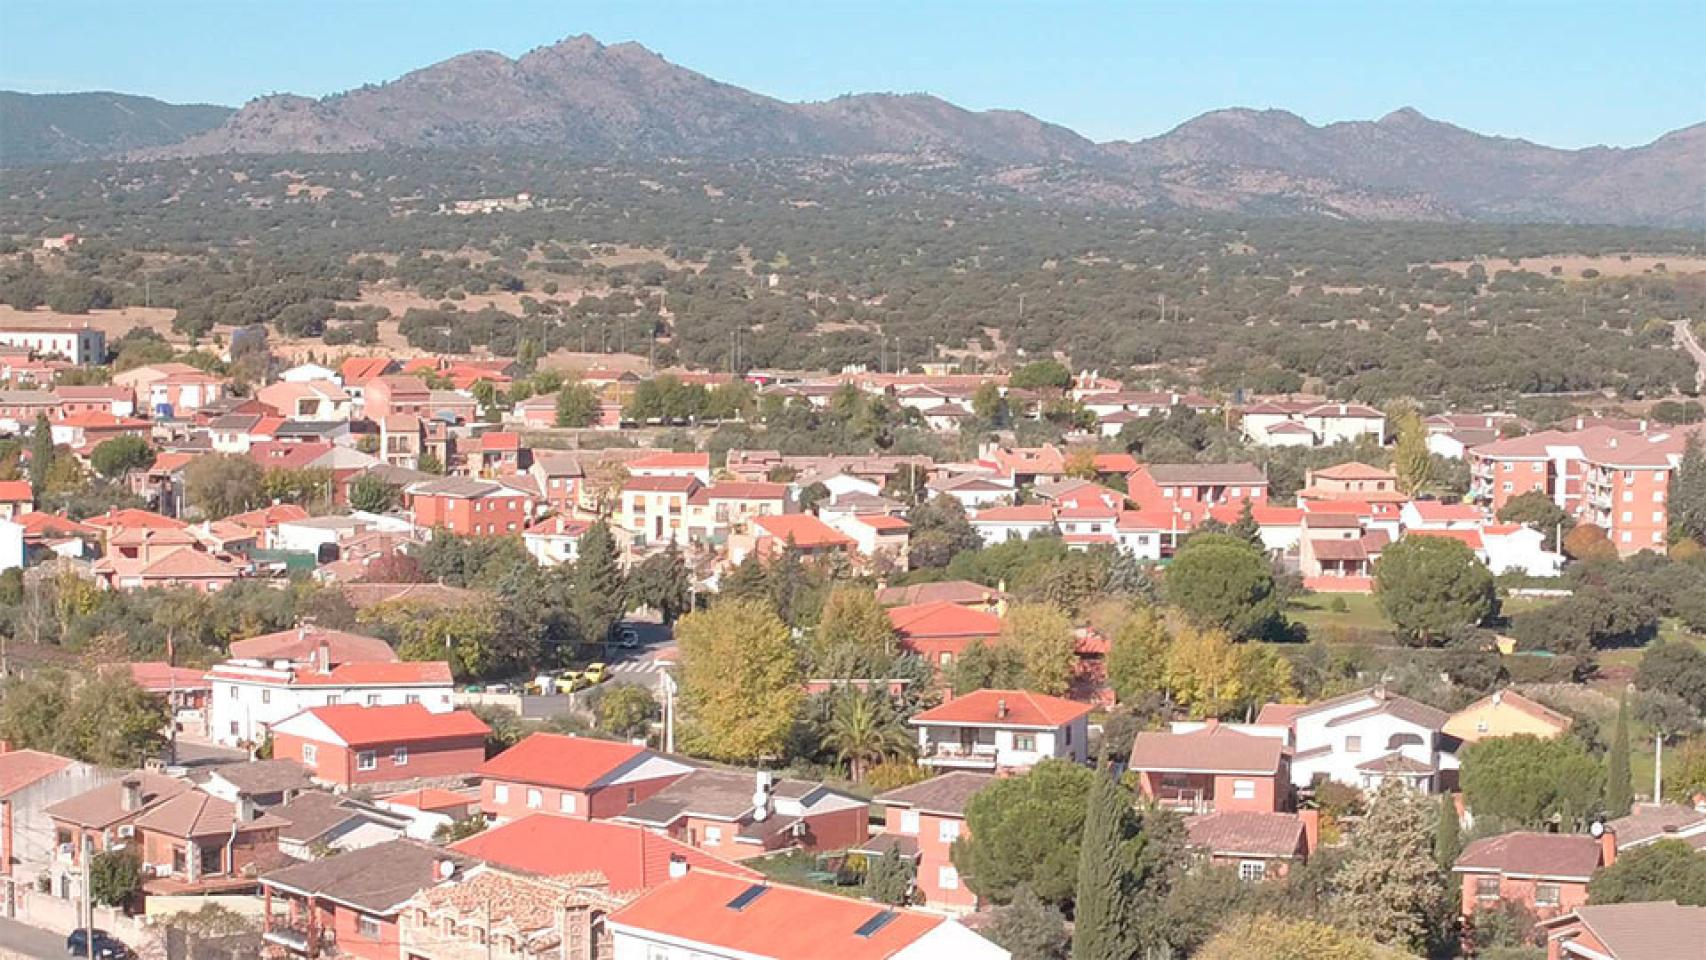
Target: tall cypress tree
(41, 456)
(1619, 786)
(1448, 834)
(1108, 882)
(598, 590)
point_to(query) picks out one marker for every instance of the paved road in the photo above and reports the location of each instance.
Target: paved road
(18, 939)
(1690, 343)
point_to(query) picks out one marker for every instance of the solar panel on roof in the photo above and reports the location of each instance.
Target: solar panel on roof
(746, 897)
(870, 927)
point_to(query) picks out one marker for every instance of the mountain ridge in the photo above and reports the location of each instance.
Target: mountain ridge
(623, 99)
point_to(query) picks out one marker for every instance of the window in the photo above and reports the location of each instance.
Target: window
(1353, 744)
(1069, 735)
(233, 728)
(266, 696)
(1486, 888)
(1250, 871)
(713, 836)
(1243, 789)
(1628, 496)
(400, 756)
(232, 693)
(373, 699)
(535, 799)
(947, 831)
(948, 878)
(909, 822)
(333, 699)
(412, 698)
(1545, 894)
(1508, 486)
(310, 754)
(366, 927)
(1025, 742)
(366, 760)
(1627, 536)
(1658, 516)
(500, 793)
(1658, 496)
(1628, 516)
(565, 802)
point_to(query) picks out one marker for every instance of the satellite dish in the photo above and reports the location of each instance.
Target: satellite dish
(1597, 828)
(445, 869)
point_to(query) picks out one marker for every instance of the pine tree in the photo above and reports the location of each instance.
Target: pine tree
(1448, 833)
(1108, 882)
(1389, 886)
(1245, 527)
(1619, 787)
(598, 590)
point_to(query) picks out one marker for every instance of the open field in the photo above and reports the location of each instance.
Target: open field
(1570, 266)
(114, 323)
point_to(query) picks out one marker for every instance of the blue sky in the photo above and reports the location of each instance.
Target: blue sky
(1568, 73)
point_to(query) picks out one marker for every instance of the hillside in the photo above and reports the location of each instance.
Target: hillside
(582, 98)
(60, 127)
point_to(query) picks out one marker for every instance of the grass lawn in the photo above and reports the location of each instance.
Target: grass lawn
(1360, 620)
(795, 868)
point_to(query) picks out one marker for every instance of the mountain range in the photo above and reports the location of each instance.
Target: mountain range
(588, 99)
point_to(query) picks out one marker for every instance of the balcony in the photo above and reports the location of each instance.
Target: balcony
(297, 937)
(1184, 799)
(958, 756)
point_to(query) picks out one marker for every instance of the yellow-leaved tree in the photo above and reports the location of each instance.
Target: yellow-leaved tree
(740, 682)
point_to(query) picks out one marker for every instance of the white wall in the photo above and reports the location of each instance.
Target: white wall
(255, 706)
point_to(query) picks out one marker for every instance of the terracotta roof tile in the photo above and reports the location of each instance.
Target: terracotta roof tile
(630, 858)
(1560, 856)
(1008, 708)
(1211, 749)
(559, 760)
(1247, 833)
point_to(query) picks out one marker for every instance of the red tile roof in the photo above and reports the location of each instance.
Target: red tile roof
(1433, 511)
(736, 490)
(558, 760)
(782, 923)
(1560, 856)
(20, 768)
(358, 370)
(432, 798)
(16, 491)
(1230, 833)
(672, 461)
(803, 530)
(943, 618)
(1025, 513)
(1005, 708)
(882, 521)
(132, 517)
(41, 523)
(304, 643)
(500, 441)
(369, 674)
(1469, 538)
(1213, 749)
(357, 725)
(661, 484)
(631, 858)
(1355, 471)
(157, 677)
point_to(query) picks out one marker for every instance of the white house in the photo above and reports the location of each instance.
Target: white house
(555, 541)
(1001, 524)
(973, 492)
(11, 545)
(1434, 515)
(1345, 423)
(270, 677)
(305, 372)
(1002, 730)
(1515, 548)
(1362, 739)
(842, 484)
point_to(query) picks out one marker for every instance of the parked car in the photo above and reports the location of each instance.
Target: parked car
(627, 638)
(84, 942)
(595, 673)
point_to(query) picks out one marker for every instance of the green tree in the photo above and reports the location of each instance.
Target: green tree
(115, 876)
(940, 532)
(1619, 781)
(1204, 672)
(986, 667)
(374, 495)
(1024, 832)
(1039, 374)
(1410, 457)
(1528, 781)
(1030, 929)
(1106, 898)
(119, 456)
(1042, 636)
(661, 582)
(864, 730)
(469, 637)
(889, 878)
(1279, 938)
(597, 588)
(577, 406)
(1448, 833)
(1221, 581)
(1137, 656)
(221, 485)
(1536, 509)
(41, 456)
(1676, 668)
(1688, 492)
(854, 635)
(626, 710)
(103, 718)
(740, 682)
(1430, 587)
(1245, 527)
(1665, 870)
(1389, 885)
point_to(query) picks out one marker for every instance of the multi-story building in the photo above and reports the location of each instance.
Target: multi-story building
(1001, 730)
(350, 744)
(578, 777)
(83, 345)
(922, 822)
(1193, 489)
(469, 507)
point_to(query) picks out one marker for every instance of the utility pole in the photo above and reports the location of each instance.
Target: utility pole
(88, 904)
(1658, 767)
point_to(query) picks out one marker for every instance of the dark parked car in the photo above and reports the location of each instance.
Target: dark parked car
(105, 945)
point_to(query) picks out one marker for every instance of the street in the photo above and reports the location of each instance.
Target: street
(22, 940)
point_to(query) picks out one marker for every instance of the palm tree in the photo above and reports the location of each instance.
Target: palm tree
(863, 729)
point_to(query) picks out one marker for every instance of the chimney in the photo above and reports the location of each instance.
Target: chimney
(1210, 723)
(1498, 697)
(325, 656)
(1311, 830)
(1001, 709)
(130, 794)
(677, 866)
(1607, 845)
(245, 808)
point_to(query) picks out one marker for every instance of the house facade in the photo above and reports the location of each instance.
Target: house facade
(580, 777)
(1002, 731)
(353, 745)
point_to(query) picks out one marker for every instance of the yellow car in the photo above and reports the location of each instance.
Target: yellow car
(595, 673)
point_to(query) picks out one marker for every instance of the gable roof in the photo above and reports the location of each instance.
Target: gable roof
(563, 761)
(950, 591)
(20, 768)
(943, 618)
(1004, 708)
(193, 814)
(1215, 474)
(1552, 856)
(303, 644)
(1212, 749)
(775, 922)
(1247, 833)
(630, 858)
(802, 530)
(357, 725)
(104, 805)
(947, 793)
(1643, 931)
(376, 880)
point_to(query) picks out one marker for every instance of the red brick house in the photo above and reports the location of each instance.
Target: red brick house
(350, 745)
(1258, 845)
(630, 858)
(923, 821)
(1193, 489)
(1213, 768)
(348, 905)
(1625, 931)
(737, 815)
(1546, 872)
(577, 777)
(941, 630)
(469, 507)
